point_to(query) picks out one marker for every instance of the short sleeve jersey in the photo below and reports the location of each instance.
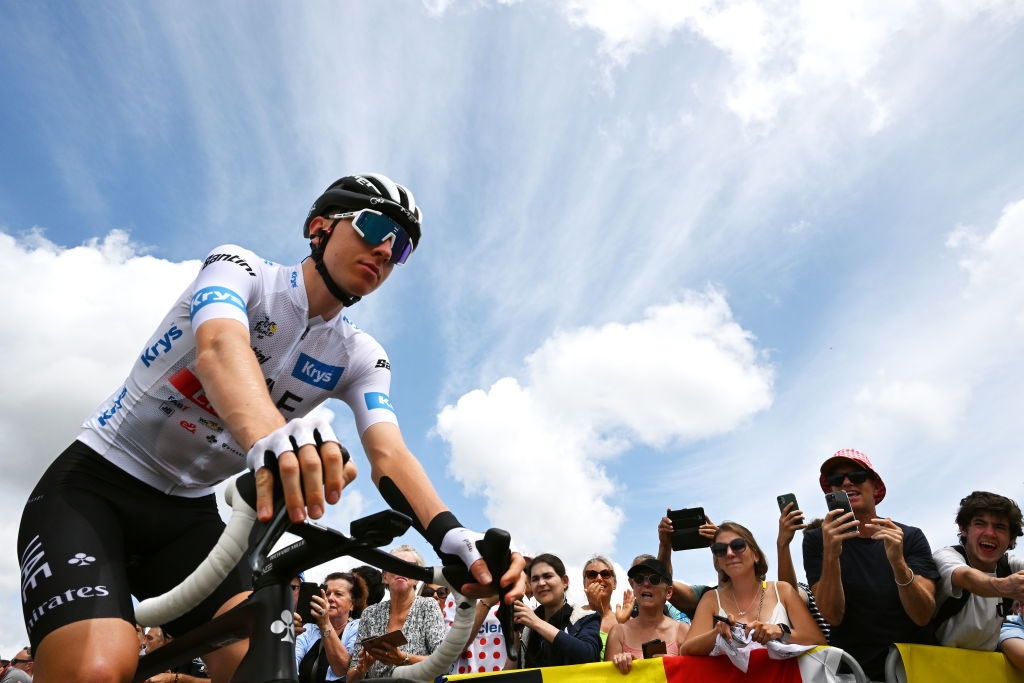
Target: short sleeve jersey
(874, 617)
(976, 625)
(159, 425)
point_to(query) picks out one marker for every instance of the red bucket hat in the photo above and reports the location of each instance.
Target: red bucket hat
(860, 459)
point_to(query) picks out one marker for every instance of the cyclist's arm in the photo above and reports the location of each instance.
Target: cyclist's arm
(231, 378)
(390, 458)
(401, 480)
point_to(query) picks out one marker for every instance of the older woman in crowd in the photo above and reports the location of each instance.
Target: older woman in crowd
(323, 651)
(652, 585)
(599, 583)
(557, 632)
(770, 610)
(418, 618)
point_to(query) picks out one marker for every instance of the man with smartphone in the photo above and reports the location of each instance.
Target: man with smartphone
(873, 578)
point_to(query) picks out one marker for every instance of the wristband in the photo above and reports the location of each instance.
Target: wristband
(904, 585)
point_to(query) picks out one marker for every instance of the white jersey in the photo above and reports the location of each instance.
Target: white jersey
(159, 425)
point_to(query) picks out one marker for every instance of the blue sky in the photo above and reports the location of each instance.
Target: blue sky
(674, 253)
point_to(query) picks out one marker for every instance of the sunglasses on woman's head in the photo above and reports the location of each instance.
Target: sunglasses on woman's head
(855, 477)
(592, 574)
(738, 546)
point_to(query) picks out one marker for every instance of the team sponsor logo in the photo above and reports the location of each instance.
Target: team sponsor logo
(287, 398)
(108, 414)
(168, 407)
(260, 356)
(214, 295)
(162, 346)
(383, 363)
(82, 560)
(33, 564)
(210, 424)
(314, 372)
(211, 439)
(70, 595)
(264, 328)
(230, 258)
(226, 447)
(189, 386)
(376, 399)
(294, 279)
(285, 627)
(188, 426)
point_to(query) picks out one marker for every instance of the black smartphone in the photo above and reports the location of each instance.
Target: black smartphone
(307, 589)
(686, 529)
(654, 647)
(719, 617)
(785, 499)
(838, 500)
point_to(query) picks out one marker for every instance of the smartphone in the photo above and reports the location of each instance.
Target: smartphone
(303, 606)
(838, 500)
(654, 647)
(719, 617)
(686, 529)
(785, 499)
(396, 638)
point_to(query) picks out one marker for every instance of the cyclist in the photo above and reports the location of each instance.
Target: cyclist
(227, 381)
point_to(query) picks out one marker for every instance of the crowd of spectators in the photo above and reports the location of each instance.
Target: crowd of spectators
(870, 582)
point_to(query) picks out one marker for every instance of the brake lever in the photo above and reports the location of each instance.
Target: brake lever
(494, 548)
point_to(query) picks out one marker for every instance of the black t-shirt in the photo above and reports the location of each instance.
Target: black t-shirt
(874, 617)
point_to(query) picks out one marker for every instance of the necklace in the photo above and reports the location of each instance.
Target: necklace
(749, 604)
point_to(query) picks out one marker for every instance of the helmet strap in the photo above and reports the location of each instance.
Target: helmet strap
(317, 253)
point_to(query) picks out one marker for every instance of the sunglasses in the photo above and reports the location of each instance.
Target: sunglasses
(441, 592)
(376, 228)
(738, 546)
(855, 477)
(592, 574)
(652, 579)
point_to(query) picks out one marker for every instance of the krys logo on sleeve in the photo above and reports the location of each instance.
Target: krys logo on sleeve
(320, 375)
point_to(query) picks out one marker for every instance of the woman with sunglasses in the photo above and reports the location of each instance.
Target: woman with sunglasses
(324, 650)
(229, 381)
(556, 633)
(598, 585)
(652, 585)
(769, 610)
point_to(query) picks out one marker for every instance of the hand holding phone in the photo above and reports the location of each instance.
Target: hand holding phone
(791, 520)
(653, 648)
(686, 525)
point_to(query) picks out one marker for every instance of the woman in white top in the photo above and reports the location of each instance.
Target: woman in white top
(769, 610)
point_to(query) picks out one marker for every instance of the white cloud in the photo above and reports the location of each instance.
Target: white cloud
(933, 409)
(779, 51)
(537, 451)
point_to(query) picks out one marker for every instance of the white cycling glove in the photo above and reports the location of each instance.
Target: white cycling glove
(298, 432)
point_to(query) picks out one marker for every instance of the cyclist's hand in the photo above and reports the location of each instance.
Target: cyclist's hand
(311, 462)
(460, 546)
(514, 579)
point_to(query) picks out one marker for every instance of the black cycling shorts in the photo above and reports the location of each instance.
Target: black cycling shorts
(92, 536)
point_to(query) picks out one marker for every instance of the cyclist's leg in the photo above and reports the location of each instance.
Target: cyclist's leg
(186, 529)
(75, 595)
(90, 651)
(221, 664)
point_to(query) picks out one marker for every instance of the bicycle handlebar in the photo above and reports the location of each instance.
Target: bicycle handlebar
(238, 538)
